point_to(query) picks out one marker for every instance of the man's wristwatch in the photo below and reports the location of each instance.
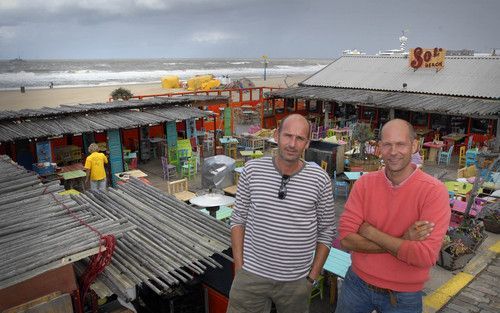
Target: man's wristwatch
(314, 282)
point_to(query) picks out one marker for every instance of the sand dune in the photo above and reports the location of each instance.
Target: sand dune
(39, 98)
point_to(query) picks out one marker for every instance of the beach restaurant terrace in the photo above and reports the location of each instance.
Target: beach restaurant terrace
(62, 135)
(463, 97)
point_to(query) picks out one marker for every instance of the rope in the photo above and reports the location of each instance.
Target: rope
(99, 261)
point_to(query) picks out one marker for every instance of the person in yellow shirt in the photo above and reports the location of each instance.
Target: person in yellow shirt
(94, 166)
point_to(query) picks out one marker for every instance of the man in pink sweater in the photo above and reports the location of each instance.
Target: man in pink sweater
(394, 223)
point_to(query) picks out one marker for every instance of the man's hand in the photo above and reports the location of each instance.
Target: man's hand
(364, 229)
(420, 230)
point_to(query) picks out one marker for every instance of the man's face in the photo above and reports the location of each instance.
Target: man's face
(293, 139)
(397, 147)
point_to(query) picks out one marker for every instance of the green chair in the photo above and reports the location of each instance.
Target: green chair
(318, 290)
(189, 168)
(172, 158)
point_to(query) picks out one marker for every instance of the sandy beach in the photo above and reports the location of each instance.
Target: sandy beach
(39, 98)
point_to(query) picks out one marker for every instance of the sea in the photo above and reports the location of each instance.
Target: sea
(84, 73)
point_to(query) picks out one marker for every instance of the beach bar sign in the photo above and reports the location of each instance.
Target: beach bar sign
(427, 58)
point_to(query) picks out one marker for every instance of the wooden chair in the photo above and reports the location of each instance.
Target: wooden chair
(189, 168)
(179, 189)
(318, 290)
(208, 147)
(445, 157)
(314, 134)
(461, 157)
(423, 153)
(324, 165)
(169, 170)
(336, 264)
(232, 150)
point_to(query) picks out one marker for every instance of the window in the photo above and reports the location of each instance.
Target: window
(313, 107)
(279, 107)
(404, 115)
(383, 116)
(368, 114)
(479, 126)
(290, 105)
(440, 122)
(418, 119)
(459, 124)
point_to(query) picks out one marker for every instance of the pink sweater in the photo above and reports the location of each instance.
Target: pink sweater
(392, 210)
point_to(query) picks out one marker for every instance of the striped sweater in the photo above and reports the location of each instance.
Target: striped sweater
(281, 235)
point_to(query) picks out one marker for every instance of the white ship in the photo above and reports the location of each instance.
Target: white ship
(353, 52)
(402, 48)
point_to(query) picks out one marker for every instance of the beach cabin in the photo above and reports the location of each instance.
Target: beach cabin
(461, 99)
(132, 131)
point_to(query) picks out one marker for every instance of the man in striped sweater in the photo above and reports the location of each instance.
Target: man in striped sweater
(282, 226)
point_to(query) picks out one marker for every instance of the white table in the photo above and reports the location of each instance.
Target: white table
(212, 201)
(352, 177)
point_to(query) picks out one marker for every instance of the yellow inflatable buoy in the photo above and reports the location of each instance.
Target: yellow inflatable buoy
(169, 82)
(195, 83)
(211, 84)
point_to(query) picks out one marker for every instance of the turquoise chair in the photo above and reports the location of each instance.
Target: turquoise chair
(445, 157)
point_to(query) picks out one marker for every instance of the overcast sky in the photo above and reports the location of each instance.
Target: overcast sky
(53, 29)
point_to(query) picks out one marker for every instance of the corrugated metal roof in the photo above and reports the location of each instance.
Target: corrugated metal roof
(108, 106)
(477, 77)
(94, 121)
(473, 107)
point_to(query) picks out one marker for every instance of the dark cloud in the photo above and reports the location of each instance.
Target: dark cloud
(228, 28)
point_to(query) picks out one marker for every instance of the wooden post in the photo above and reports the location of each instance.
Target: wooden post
(497, 139)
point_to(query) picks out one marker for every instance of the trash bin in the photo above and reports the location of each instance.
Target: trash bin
(23, 89)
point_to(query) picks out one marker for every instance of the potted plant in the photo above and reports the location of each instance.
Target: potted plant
(491, 217)
(454, 254)
(362, 133)
(470, 231)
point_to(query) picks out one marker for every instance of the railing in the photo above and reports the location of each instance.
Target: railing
(242, 94)
(252, 96)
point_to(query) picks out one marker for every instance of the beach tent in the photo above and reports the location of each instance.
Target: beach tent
(195, 83)
(169, 82)
(211, 84)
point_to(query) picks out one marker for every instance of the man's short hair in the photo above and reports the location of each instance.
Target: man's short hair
(411, 129)
(93, 147)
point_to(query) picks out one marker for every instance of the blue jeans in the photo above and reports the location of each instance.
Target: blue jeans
(356, 297)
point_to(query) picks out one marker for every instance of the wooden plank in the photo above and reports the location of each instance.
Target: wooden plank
(81, 255)
(25, 306)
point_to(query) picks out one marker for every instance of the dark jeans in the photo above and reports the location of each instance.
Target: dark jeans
(357, 297)
(253, 293)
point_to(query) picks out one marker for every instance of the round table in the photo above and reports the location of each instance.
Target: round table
(212, 202)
